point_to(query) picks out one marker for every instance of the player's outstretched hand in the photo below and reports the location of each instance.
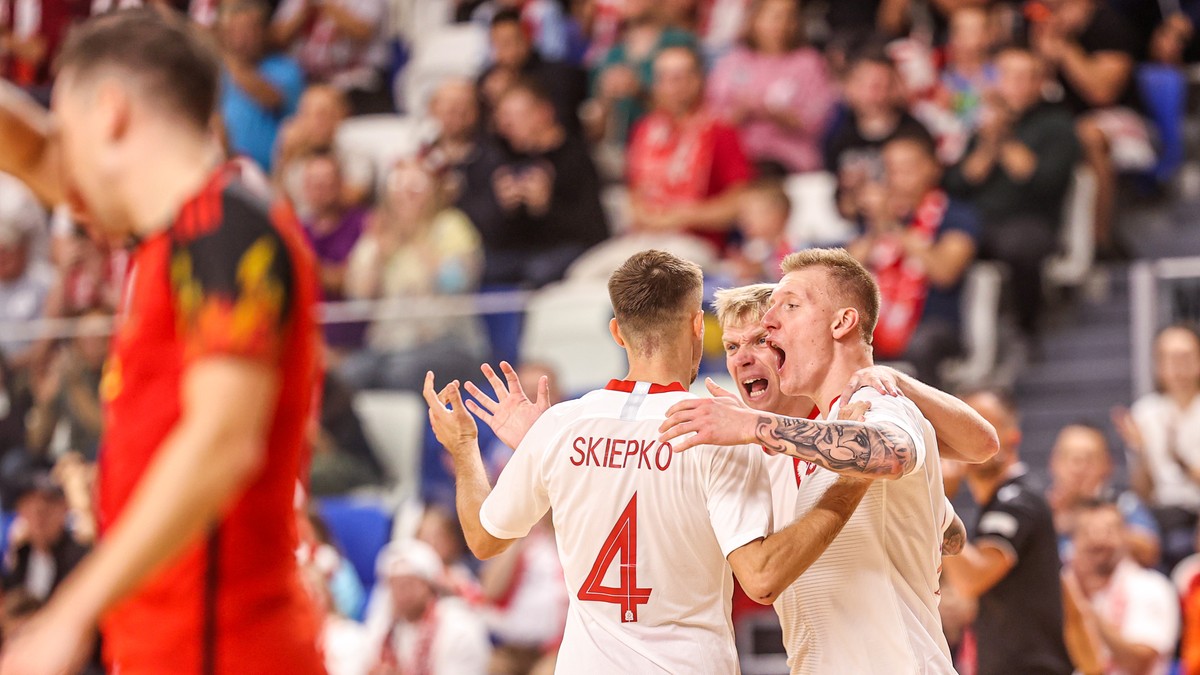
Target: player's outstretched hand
(511, 414)
(855, 412)
(723, 420)
(454, 427)
(54, 642)
(880, 378)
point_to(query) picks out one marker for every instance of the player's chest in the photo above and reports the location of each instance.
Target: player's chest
(145, 344)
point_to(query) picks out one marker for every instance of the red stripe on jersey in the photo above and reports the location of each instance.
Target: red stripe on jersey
(812, 415)
(628, 385)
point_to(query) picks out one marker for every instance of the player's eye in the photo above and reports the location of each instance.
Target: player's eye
(762, 340)
(730, 348)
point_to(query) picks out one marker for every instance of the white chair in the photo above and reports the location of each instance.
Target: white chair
(1070, 268)
(394, 423)
(815, 219)
(384, 139)
(980, 326)
(600, 261)
(566, 326)
(454, 51)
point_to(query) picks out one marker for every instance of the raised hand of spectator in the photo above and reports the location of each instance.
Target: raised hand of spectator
(507, 189)
(1127, 428)
(619, 81)
(1170, 39)
(1049, 43)
(536, 187)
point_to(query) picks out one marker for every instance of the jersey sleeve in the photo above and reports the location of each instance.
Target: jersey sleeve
(233, 287)
(899, 412)
(738, 496)
(1006, 525)
(947, 515)
(520, 497)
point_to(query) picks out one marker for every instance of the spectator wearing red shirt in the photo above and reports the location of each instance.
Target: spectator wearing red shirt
(209, 387)
(686, 168)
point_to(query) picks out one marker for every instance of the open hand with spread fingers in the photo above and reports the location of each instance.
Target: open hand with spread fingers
(511, 414)
(454, 427)
(723, 420)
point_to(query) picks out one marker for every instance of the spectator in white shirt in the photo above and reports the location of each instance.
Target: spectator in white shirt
(1129, 614)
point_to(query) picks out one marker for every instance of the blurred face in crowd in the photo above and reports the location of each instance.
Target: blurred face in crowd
(751, 363)
(678, 81)
(510, 45)
(1018, 79)
(1080, 464)
(871, 88)
(522, 119)
(322, 184)
(411, 596)
(438, 529)
(1069, 17)
(456, 109)
(910, 171)
(411, 191)
(323, 109)
(242, 30)
(992, 409)
(1099, 538)
(531, 372)
(14, 255)
(45, 516)
(762, 214)
(969, 33)
(775, 25)
(1177, 361)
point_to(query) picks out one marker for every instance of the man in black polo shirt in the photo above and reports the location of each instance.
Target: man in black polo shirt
(1012, 566)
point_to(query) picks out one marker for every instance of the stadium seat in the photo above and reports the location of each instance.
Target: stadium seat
(460, 50)
(384, 139)
(815, 220)
(361, 527)
(1070, 268)
(1164, 91)
(980, 326)
(566, 326)
(600, 261)
(395, 422)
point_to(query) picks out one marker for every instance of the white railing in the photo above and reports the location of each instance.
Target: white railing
(1160, 292)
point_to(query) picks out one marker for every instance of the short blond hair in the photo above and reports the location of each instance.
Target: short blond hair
(744, 303)
(852, 283)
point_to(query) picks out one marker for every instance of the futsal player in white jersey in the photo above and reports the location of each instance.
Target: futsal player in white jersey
(644, 533)
(869, 603)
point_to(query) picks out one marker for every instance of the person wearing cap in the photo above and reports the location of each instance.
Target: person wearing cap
(43, 551)
(428, 633)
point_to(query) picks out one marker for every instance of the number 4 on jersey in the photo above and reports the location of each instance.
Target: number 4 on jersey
(622, 539)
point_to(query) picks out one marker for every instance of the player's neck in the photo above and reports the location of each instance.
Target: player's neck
(662, 368)
(158, 189)
(847, 360)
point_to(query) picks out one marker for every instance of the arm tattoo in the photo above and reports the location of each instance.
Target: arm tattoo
(851, 448)
(955, 538)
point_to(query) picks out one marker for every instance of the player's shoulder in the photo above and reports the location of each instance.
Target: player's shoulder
(899, 406)
(226, 212)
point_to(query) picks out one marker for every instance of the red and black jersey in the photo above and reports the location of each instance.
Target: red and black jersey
(230, 277)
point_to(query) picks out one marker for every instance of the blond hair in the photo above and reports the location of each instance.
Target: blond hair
(744, 303)
(652, 293)
(851, 283)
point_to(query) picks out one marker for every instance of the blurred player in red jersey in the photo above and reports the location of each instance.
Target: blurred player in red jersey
(209, 384)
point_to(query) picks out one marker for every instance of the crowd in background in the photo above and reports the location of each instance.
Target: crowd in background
(953, 130)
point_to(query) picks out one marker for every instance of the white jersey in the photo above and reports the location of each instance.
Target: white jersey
(869, 603)
(643, 532)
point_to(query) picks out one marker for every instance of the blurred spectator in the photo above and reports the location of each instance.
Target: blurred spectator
(31, 32)
(1011, 567)
(414, 247)
(513, 58)
(1174, 39)
(342, 457)
(69, 392)
(333, 229)
(875, 115)
(1080, 471)
(428, 633)
(763, 214)
(42, 551)
(440, 529)
(775, 90)
(1017, 170)
(547, 191)
(319, 551)
(89, 276)
(528, 601)
(545, 23)
(259, 89)
(313, 128)
(722, 25)
(621, 81)
(686, 168)
(455, 107)
(1162, 435)
(1131, 613)
(25, 282)
(918, 243)
(15, 404)
(340, 43)
(345, 643)
(1093, 52)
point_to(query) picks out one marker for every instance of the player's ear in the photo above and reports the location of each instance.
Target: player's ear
(113, 100)
(615, 329)
(698, 324)
(845, 320)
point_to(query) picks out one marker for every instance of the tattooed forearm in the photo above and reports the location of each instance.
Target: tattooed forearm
(851, 448)
(955, 538)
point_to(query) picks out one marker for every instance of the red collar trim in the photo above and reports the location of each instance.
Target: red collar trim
(628, 385)
(815, 414)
